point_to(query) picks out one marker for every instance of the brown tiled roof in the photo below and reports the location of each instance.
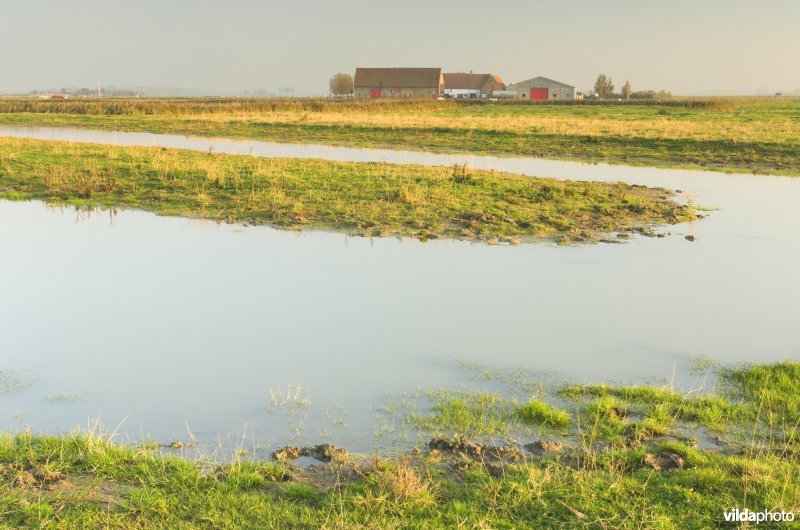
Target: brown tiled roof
(470, 81)
(465, 81)
(398, 77)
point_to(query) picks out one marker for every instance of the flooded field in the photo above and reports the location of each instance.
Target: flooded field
(246, 334)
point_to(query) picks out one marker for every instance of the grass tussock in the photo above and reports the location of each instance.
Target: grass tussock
(772, 389)
(358, 198)
(399, 482)
(541, 413)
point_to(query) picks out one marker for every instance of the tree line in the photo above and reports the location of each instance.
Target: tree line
(604, 89)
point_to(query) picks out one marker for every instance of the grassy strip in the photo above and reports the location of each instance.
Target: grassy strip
(663, 403)
(483, 414)
(730, 135)
(228, 105)
(365, 199)
(83, 481)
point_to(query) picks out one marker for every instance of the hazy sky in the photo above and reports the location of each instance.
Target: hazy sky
(687, 47)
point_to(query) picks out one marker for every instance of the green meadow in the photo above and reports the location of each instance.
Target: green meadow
(729, 134)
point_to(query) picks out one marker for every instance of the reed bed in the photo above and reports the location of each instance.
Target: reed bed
(194, 106)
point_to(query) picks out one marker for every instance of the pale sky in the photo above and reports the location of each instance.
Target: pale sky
(687, 47)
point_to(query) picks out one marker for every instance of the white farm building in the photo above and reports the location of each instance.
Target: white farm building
(542, 89)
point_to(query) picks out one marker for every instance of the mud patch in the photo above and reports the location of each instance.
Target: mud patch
(544, 447)
(322, 452)
(31, 475)
(663, 461)
(463, 446)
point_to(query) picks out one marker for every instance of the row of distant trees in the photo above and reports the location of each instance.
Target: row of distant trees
(77, 92)
(604, 88)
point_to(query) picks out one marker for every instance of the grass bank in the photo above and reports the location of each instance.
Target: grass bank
(358, 198)
(751, 135)
(599, 472)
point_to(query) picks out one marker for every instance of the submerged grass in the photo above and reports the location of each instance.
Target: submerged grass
(359, 198)
(665, 404)
(483, 414)
(11, 381)
(744, 134)
(84, 481)
(775, 388)
(467, 413)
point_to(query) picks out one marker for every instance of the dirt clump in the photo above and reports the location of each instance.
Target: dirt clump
(322, 452)
(545, 447)
(463, 446)
(663, 461)
(31, 475)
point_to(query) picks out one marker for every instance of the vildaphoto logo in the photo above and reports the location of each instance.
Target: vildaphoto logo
(740, 516)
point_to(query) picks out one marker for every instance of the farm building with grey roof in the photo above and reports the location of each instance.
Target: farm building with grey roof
(542, 89)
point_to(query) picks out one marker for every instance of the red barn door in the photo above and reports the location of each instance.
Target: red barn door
(374, 93)
(539, 93)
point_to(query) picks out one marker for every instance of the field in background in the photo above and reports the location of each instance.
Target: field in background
(734, 134)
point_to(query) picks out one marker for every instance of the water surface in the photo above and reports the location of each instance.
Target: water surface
(153, 323)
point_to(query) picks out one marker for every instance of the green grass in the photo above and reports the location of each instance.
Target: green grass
(747, 135)
(541, 413)
(466, 413)
(772, 390)
(83, 481)
(483, 414)
(666, 404)
(358, 198)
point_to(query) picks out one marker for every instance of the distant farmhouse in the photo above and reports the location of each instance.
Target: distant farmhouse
(459, 85)
(431, 83)
(398, 83)
(542, 89)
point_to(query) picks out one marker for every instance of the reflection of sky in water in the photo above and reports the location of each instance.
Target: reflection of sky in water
(167, 320)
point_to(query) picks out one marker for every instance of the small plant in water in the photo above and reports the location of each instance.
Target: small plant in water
(293, 398)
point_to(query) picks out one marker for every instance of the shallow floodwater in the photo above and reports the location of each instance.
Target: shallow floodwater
(151, 324)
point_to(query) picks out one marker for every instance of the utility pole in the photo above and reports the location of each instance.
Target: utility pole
(98, 87)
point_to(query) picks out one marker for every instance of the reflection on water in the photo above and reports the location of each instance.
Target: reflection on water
(168, 323)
